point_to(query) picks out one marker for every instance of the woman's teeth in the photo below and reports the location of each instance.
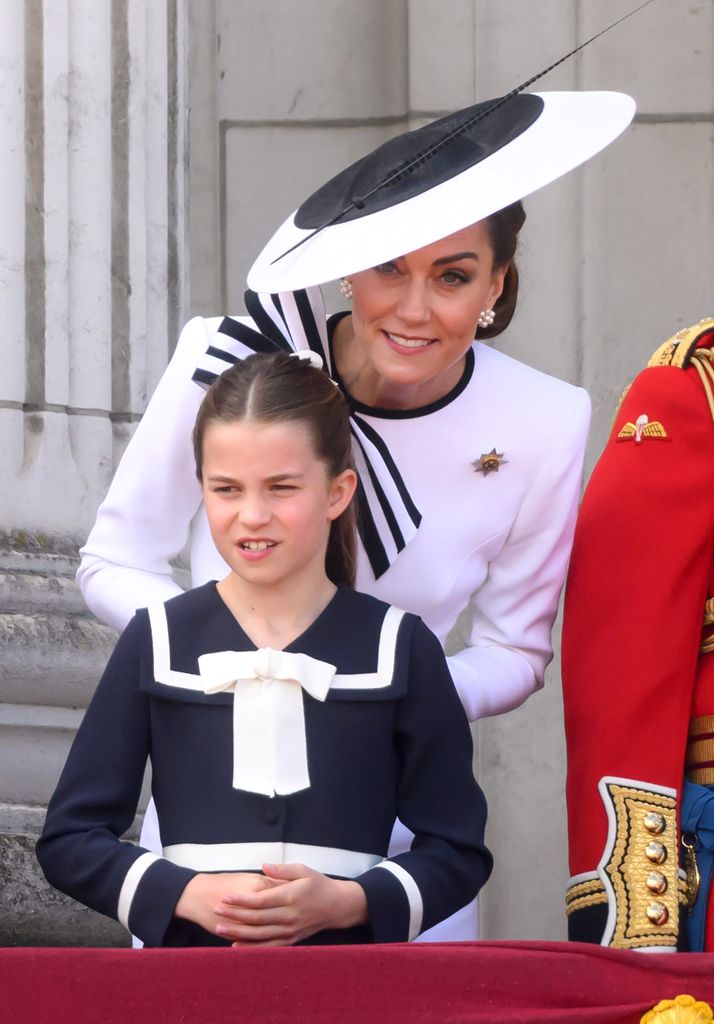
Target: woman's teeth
(408, 342)
(257, 545)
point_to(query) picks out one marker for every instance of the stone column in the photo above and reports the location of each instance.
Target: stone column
(92, 111)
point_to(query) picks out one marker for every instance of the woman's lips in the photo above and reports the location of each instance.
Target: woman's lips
(408, 346)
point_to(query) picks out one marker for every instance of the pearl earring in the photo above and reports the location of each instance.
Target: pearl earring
(486, 318)
(346, 287)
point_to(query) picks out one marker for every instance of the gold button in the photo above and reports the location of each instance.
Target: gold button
(657, 914)
(655, 823)
(656, 883)
(656, 852)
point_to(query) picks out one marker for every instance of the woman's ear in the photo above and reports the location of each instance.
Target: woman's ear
(498, 279)
(342, 489)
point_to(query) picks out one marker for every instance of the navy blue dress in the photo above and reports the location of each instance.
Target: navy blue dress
(389, 739)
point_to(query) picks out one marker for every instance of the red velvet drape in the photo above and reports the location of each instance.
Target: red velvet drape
(463, 983)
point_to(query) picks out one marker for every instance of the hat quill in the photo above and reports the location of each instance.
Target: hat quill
(409, 164)
(425, 184)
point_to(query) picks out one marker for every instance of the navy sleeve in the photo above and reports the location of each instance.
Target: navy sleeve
(438, 799)
(80, 850)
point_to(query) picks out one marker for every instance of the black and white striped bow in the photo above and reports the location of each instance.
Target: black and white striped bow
(292, 322)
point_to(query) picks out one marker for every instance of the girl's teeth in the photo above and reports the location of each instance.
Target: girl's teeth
(256, 545)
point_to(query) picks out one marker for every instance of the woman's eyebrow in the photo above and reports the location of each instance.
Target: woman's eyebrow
(453, 259)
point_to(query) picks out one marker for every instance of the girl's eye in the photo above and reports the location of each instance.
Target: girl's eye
(224, 489)
(386, 268)
(283, 487)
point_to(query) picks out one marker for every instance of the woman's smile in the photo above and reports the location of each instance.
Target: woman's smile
(414, 319)
(411, 345)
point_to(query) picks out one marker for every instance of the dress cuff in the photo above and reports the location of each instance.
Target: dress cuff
(394, 902)
(149, 895)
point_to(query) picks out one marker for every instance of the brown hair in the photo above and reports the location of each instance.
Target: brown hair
(274, 388)
(503, 227)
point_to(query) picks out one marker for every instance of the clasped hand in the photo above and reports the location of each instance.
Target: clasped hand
(286, 904)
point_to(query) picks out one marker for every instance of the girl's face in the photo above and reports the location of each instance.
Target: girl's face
(415, 317)
(269, 500)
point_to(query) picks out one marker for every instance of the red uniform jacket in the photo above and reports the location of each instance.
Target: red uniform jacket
(634, 672)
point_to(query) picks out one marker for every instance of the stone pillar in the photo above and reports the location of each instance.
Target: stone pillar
(92, 112)
(302, 90)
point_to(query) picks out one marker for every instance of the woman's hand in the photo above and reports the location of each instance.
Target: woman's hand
(200, 901)
(298, 903)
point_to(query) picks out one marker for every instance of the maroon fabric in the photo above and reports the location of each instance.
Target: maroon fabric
(463, 983)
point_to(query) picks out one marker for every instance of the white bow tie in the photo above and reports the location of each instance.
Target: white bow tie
(269, 744)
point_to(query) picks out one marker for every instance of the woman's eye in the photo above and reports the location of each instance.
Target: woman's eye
(386, 268)
(283, 487)
(454, 277)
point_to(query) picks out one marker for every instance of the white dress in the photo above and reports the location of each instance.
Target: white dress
(494, 543)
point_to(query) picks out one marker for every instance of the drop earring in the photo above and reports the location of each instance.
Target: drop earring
(346, 287)
(486, 318)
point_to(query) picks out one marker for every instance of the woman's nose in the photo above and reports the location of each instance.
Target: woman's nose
(413, 307)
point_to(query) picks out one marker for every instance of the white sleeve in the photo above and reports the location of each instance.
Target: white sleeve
(508, 640)
(145, 518)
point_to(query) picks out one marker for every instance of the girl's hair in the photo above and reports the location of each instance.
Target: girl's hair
(503, 227)
(273, 388)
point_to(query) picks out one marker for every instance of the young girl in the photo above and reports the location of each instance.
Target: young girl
(288, 719)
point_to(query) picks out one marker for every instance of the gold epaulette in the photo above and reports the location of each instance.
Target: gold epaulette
(678, 351)
(682, 350)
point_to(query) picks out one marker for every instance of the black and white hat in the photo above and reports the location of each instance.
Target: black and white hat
(426, 184)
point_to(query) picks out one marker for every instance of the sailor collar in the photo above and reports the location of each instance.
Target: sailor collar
(266, 685)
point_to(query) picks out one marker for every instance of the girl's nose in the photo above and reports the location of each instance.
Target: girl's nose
(254, 510)
(413, 307)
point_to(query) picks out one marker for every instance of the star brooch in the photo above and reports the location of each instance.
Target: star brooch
(489, 462)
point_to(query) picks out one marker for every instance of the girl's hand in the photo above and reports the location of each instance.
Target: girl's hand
(299, 903)
(201, 899)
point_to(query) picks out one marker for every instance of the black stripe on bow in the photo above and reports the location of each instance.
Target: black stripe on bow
(204, 377)
(394, 527)
(253, 340)
(312, 331)
(263, 321)
(379, 443)
(367, 528)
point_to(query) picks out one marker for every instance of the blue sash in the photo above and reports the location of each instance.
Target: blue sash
(697, 816)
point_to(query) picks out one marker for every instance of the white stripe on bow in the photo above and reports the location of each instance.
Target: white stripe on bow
(269, 743)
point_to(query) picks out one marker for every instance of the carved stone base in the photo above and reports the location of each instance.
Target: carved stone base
(32, 913)
(52, 652)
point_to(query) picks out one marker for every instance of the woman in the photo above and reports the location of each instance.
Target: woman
(469, 461)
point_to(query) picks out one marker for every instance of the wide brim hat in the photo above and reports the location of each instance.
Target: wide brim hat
(426, 184)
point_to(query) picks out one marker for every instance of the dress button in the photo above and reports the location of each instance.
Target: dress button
(271, 816)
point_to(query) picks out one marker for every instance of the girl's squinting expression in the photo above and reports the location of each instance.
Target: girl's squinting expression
(414, 319)
(269, 500)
